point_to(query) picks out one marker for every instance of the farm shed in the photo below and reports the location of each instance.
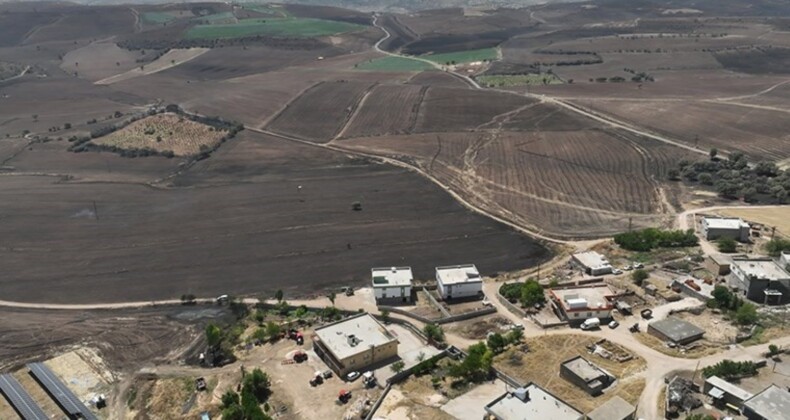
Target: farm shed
(459, 281)
(531, 402)
(675, 330)
(354, 343)
(724, 392)
(725, 227)
(761, 280)
(614, 409)
(592, 263)
(773, 403)
(718, 264)
(587, 376)
(578, 303)
(392, 284)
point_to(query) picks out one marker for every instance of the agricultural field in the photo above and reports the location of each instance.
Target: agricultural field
(334, 101)
(164, 132)
(394, 64)
(157, 18)
(389, 109)
(778, 217)
(290, 27)
(448, 109)
(483, 54)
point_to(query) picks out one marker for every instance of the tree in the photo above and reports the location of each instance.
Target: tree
(233, 412)
(476, 366)
(385, 316)
(515, 336)
(260, 334)
(713, 153)
(213, 335)
(496, 343)
(746, 314)
(639, 276)
(398, 366)
(532, 293)
(434, 332)
(67, 126)
(727, 245)
(259, 384)
(332, 297)
(356, 206)
(272, 331)
(230, 398)
(673, 174)
(259, 316)
(279, 295)
(773, 349)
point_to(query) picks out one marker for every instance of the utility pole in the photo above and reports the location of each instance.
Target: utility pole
(630, 223)
(773, 233)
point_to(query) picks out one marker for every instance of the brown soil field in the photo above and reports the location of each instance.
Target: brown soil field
(170, 59)
(542, 366)
(238, 217)
(446, 109)
(567, 184)
(85, 23)
(14, 27)
(760, 133)
(99, 60)
(333, 101)
(126, 338)
(389, 109)
(437, 79)
(163, 132)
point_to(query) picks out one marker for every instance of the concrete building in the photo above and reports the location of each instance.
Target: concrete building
(761, 280)
(725, 227)
(354, 344)
(725, 393)
(587, 376)
(577, 303)
(614, 409)
(773, 403)
(784, 259)
(592, 263)
(718, 264)
(459, 281)
(675, 330)
(392, 284)
(531, 403)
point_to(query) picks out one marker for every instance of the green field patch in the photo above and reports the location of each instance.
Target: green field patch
(464, 56)
(156, 18)
(394, 64)
(216, 18)
(267, 10)
(290, 27)
(518, 80)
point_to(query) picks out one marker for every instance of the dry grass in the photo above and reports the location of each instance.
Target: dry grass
(542, 366)
(163, 132)
(703, 348)
(168, 397)
(779, 217)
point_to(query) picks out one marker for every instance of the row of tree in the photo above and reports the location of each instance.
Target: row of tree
(647, 239)
(528, 293)
(256, 388)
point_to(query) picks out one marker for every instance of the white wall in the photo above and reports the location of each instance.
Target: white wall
(460, 290)
(392, 292)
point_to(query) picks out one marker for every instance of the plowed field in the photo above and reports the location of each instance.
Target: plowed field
(389, 109)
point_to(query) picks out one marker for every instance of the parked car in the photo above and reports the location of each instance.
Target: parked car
(646, 313)
(352, 376)
(327, 374)
(614, 324)
(486, 302)
(617, 271)
(628, 268)
(590, 324)
(639, 265)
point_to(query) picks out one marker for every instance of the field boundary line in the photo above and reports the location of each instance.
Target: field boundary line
(354, 112)
(287, 105)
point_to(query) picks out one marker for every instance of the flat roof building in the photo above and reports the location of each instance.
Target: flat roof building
(578, 303)
(614, 409)
(531, 403)
(725, 227)
(459, 281)
(392, 284)
(587, 376)
(675, 330)
(761, 280)
(354, 343)
(724, 392)
(773, 403)
(592, 263)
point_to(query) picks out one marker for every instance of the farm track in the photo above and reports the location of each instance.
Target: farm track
(354, 112)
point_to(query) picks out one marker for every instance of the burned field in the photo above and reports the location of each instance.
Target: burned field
(243, 220)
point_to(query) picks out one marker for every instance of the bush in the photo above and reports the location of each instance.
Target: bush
(773, 349)
(647, 239)
(434, 332)
(746, 314)
(532, 293)
(728, 370)
(776, 246)
(727, 245)
(476, 366)
(496, 342)
(398, 366)
(639, 276)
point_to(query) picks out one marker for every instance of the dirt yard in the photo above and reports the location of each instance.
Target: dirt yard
(717, 328)
(478, 328)
(695, 350)
(163, 132)
(542, 363)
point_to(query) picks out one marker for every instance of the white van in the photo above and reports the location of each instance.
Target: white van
(591, 324)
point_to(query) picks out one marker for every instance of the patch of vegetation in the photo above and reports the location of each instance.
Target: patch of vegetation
(744, 313)
(394, 64)
(475, 367)
(215, 18)
(647, 239)
(287, 27)
(434, 332)
(528, 293)
(727, 245)
(156, 18)
(776, 246)
(483, 54)
(729, 370)
(734, 178)
(501, 80)
(639, 276)
(256, 388)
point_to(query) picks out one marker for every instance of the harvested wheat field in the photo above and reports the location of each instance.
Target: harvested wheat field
(541, 364)
(164, 132)
(778, 217)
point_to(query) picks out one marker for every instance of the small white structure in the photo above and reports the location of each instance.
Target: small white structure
(392, 283)
(578, 303)
(784, 259)
(725, 227)
(592, 262)
(459, 281)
